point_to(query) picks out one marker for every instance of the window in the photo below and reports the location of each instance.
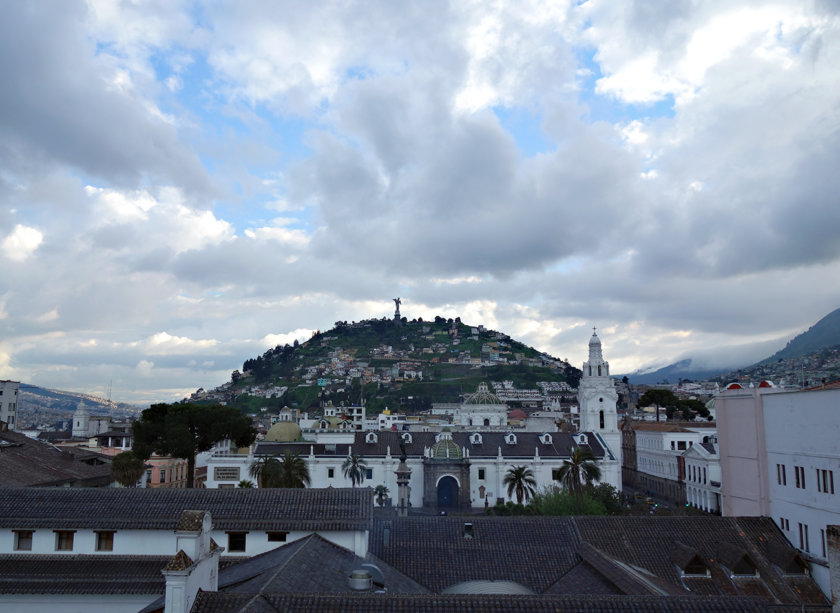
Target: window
(149, 476)
(236, 541)
(681, 445)
(803, 537)
(23, 540)
(481, 474)
(781, 478)
(825, 481)
(64, 540)
(330, 473)
(104, 540)
(601, 414)
(822, 541)
(277, 537)
(555, 474)
(799, 472)
(369, 473)
(163, 475)
(784, 524)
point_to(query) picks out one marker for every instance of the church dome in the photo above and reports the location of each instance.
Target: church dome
(482, 396)
(283, 432)
(446, 448)
(594, 340)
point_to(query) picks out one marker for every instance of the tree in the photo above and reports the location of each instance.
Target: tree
(182, 430)
(660, 398)
(354, 468)
(381, 494)
(289, 471)
(580, 468)
(520, 479)
(127, 468)
(266, 470)
(246, 484)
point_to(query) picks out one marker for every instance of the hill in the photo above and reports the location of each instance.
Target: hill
(40, 406)
(672, 373)
(405, 367)
(822, 335)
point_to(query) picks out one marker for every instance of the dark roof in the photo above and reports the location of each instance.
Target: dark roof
(585, 555)
(212, 602)
(150, 509)
(308, 565)
(532, 551)
(29, 462)
(311, 564)
(525, 446)
(81, 574)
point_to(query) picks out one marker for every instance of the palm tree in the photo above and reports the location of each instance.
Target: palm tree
(354, 468)
(246, 484)
(581, 467)
(520, 479)
(266, 471)
(294, 471)
(381, 493)
(289, 471)
(127, 468)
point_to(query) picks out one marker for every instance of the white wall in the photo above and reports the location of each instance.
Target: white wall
(802, 429)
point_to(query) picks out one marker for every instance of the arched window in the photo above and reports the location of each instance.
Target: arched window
(406, 437)
(599, 370)
(510, 438)
(475, 439)
(371, 437)
(601, 419)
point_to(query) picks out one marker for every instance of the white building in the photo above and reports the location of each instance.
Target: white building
(8, 403)
(660, 456)
(780, 457)
(702, 475)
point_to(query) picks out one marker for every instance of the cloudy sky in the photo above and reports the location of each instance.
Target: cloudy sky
(184, 185)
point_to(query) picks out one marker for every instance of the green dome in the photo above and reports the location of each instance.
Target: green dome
(283, 432)
(483, 396)
(446, 448)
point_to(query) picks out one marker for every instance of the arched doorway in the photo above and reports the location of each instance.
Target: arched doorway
(447, 492)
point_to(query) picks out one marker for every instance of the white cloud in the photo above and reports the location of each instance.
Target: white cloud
(21, 243)
(145, 368)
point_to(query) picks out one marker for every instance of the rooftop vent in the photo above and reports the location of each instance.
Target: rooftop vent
(360, 580)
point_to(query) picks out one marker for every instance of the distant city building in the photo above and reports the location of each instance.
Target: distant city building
(9, 403)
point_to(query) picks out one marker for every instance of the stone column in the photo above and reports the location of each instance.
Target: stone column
(403, 473)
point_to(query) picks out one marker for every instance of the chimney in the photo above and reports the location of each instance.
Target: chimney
(195, 566)
(832, 535)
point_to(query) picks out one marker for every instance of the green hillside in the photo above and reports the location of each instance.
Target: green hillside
(822, 335)
(405, 367)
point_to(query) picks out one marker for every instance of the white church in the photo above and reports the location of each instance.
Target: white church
(453, 470)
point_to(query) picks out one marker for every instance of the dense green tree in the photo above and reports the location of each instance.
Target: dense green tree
(605, 494)
(354, 468)
(582, 467)
(520, 480)
(127, 468)
(266, 470)
(182, 430)
(246, 484)
(660, 398)
(555, 500)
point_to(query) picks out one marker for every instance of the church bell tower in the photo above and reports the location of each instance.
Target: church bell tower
(597, 399)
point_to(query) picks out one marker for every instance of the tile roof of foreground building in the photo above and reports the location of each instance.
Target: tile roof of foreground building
(160, 509)
(81, 574)
(29, 462)
(666, 556)
(212, 602)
